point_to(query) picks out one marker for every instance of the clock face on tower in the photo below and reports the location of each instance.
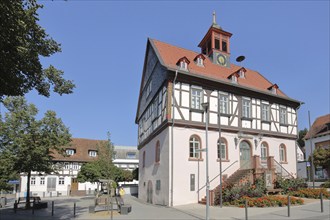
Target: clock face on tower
(222, 60)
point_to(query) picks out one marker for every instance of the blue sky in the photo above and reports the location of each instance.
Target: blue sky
(104, 42)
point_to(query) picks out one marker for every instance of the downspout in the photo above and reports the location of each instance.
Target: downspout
(172, 162)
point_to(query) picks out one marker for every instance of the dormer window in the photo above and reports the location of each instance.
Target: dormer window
(273, 88)
(183, 65)
(233, 77)
(92, 153)
(70, 151)
(199, 59)
(241, 73)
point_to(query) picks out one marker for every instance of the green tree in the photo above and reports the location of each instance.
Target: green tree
(301, 136)
(29, 142)
(22, 43)
(135, 174)
(90, 172)
(321, 157)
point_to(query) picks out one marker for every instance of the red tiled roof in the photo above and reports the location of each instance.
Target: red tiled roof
(170, 54)
(318, 127)
(82, 146)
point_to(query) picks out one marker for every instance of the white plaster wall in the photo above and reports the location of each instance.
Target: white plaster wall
(184, 167)
(153, 171)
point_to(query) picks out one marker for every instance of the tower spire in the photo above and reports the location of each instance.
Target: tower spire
(214, 21)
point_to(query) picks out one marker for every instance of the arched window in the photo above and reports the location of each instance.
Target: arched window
(282, 153)
(157, 150)
(224, 149)
(264, 151)
(144, 159)
(194, 145)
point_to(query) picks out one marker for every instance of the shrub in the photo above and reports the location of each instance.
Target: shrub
(311, 193)
(266, 201)
(231, 193)
(289, 184)
(326, 184)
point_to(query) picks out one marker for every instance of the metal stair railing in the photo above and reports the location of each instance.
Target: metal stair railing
(279, 169)
(218, 175)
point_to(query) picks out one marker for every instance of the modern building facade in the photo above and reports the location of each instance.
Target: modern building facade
(250, 115)
(319, 137)
(64, 182)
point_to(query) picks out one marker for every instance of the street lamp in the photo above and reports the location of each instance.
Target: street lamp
(206, 109)
(220, 156)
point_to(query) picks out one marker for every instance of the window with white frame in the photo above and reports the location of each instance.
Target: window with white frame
(246, 105)
(92, 153)
(42, 180)
(75, 166)
(224, 103)
(264, 151)
(264, 112)
(66, 165)
(282, 153)
(70, 151)
(223, 149)
(194, 145)
(200, 61)
(196, 98)
(183, 65)
(283, 115)
(33, 180)
(61, 181)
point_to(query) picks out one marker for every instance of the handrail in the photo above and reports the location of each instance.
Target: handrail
(282, 168)
(218, 174)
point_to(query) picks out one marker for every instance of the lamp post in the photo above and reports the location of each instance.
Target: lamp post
(206, 109)
(220, 156)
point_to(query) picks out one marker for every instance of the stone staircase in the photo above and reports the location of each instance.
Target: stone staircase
(239, 177)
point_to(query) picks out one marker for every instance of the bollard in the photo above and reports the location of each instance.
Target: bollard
(289, 206)
(15, 206)
(33, 207)
(74, 210)
(321, 198)
(52, 208)
(246, 211)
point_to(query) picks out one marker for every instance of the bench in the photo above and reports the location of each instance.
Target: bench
(35, 200)
(123, 208)
(274, 191)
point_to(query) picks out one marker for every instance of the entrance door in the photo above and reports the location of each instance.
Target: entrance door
(74, 184)
(149, 192)
(245, 155)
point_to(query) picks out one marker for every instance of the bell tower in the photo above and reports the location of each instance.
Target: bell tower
(216, 44)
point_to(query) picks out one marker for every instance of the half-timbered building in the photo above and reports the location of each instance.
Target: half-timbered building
(255, 121)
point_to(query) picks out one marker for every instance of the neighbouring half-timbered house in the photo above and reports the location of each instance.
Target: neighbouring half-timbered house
(255, 121)
(64, 182)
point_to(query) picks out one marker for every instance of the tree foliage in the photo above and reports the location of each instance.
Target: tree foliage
(321, 157)
(27, 142)
(103, 167)
(22, 42)
(301, 136)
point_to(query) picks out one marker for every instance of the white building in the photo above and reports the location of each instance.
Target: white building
(65, 181)
(319, 137)
(257, 120)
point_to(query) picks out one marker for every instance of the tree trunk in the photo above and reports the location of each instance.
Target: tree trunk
(27, 204)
